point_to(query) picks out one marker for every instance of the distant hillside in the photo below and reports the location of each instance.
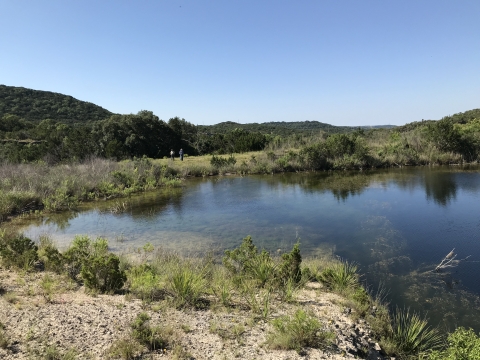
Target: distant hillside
(37, 105)
(283, 128)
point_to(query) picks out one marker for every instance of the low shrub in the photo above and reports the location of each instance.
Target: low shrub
(49, 255)
(298, 331)
(151, 337)
(99, 269)
(143, 282)
(218, 161)
(17, 251)
(340, 277)
(102, 273)
(126, 349)
(4, 340)
(463, 344)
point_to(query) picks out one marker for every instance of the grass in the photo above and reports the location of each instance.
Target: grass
(126, 349)
(298, 331)
(4, 340)
(340, 277)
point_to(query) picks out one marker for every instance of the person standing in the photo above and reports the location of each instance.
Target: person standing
(181, 154)
(172, 154)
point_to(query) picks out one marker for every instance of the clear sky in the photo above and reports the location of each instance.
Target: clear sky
(356, 62)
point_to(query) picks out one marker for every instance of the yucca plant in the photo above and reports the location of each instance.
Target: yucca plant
(340, 277)
(187, 285)
(411, 336)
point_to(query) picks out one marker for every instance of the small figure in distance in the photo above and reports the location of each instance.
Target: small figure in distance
(181, 154)
(172, 154)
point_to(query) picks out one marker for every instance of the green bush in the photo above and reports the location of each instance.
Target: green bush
(463, 344)
(98, 268)
(290, 265)
(298, 331)
(246, 262)
(77, 254)
(102, 273)
(17, 251)
(218, 161)
(49, 255)
(143, 282)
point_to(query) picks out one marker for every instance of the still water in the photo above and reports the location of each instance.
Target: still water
(397, 225)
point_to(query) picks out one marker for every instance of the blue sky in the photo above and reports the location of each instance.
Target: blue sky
(355, 62)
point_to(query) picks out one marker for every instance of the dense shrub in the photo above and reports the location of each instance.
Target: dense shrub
(247, 262)
(218, 161)
(463, 344)
(17, 251)
(49, 255)
(98, 268)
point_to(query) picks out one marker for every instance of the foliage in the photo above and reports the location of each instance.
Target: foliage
(340, 276)
(126, 349)
(218, 161)
(98, 268)
(411, 335)
(187, 284)
(36, 105)
(290, 265)
(102, 273)
(17, 251)
(49, 255)
(143, 282)
(146, 334)
(298, 331)
(463, 344)
(4, 340)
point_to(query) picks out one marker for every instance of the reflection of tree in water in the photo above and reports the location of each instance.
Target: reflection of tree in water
(441, 187)
(149, 207)
(60, 220)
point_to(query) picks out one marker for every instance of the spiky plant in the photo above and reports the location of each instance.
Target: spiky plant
(411, 335)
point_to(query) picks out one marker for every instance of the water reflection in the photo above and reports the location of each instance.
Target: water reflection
(396, 224)
(441, 187)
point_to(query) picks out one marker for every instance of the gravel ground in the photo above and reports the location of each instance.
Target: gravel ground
(90, 326)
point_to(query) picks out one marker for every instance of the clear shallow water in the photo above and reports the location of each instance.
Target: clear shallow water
(397, 225)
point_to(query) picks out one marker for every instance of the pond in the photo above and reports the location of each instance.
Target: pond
(397, 225)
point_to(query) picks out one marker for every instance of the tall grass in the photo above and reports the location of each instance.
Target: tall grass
(26, 187)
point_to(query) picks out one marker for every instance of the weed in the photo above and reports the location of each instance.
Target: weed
(143, 282)
(298, 331)
(53, 353)
(126, 349)
(463, 344)
(187, 284)
(340, 277)
(4, 340)
(48, 286)
(49, 255)
(152, 337)
(227, 331)
(17, 251)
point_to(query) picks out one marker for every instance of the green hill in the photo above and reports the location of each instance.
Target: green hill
(283, 128)
(37, 105)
